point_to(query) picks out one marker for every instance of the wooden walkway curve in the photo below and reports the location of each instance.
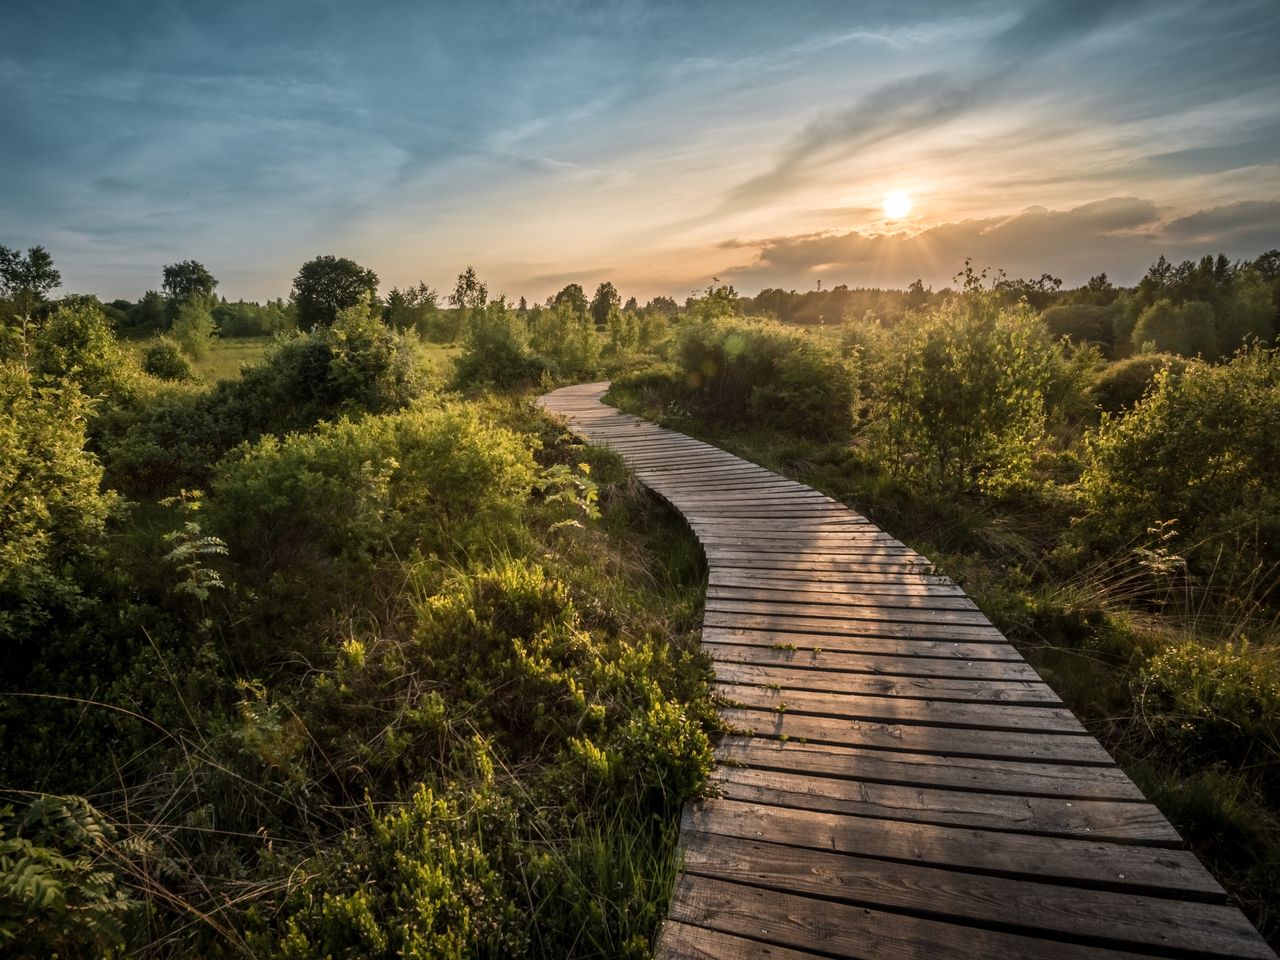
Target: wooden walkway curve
(905, 785)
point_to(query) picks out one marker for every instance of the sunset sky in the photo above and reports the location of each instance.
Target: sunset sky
(655, 145)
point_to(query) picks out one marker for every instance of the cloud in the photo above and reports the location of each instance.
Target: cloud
(1119, 235)
(928, 100)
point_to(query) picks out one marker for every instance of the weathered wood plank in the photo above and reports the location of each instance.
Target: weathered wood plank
(840, 663)
(736, 619)
(840, 930)
(981, 690)
(863, 642)
(1075, 862)
(919, 738)
(1130, 920)
(1064, 781)
(1119, 821)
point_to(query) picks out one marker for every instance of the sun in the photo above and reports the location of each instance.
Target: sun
(897, 205)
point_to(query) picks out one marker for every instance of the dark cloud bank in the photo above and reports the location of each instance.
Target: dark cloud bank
(1119, 235)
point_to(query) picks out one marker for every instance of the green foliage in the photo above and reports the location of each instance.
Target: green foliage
(425, 481)
(1213, 704)
(53, 513)
(565, 338)
(469, 293)
(420, 883)
(194, 328)
(149, 312)
(1199, 450)
(495, 350)
(188, 281)
(735, 370)
(242, 319)
(1122, 384)
(327, 285)
(962, 397)
(1082, 323)
(59, 893)
(76, 344)
(353, 367)
(1188, 329)
(605, 302)
(27, 280)
(165, 360)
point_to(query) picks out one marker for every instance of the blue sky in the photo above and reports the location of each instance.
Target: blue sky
(652, 144)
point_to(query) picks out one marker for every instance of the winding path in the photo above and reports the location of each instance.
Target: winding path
(905, 785)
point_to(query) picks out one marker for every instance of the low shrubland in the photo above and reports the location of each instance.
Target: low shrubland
(359, 668)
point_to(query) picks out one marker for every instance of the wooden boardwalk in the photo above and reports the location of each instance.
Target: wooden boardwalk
(905, 785)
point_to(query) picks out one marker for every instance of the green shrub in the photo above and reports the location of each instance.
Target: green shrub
(420, 882)
(1122, 384)
(1187, 329)
(566, 339)
(428, 481)
(1199, 451)
(59, 893)
(53, 511)
(1082, 323)
(354, 367)
(962, 396)
(76, 343)
(1213, 704)
(164, 359)
(739, 371)
(496, 351)
(194, 329)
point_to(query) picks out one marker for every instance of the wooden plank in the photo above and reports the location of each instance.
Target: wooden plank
(838, 664)
(905, 710)
(805, 582)
(918, 738)
(682, 941)
(1109, 820)
(843, 611)
(1036, 909)
(840, 930)
(869, 643)
(1064, 781)
(979, 690)
(1075, 862)
(838, 599)
(850, 627)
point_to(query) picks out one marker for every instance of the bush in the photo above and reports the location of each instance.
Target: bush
(420, 881)
(164, 359)
(1082, 323)
(1212, 704)
(76, 344)
(962, 395)
(1122, 384)
(495, 351)
(745, 370)
(53, 512)
(566, 339)
(194, 329)
(356, 366)
(1200, 450)
(425, 481)
(1188, 329)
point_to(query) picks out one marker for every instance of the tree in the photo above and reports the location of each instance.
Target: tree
(1188, 329)
(193, 329)
(326, 285)
(574, 296)
(604, 302)
(469, 293)
(185, 281)
(27, 280)
(631, 305)
(148, 311)
(917, 297)
(665, 306)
